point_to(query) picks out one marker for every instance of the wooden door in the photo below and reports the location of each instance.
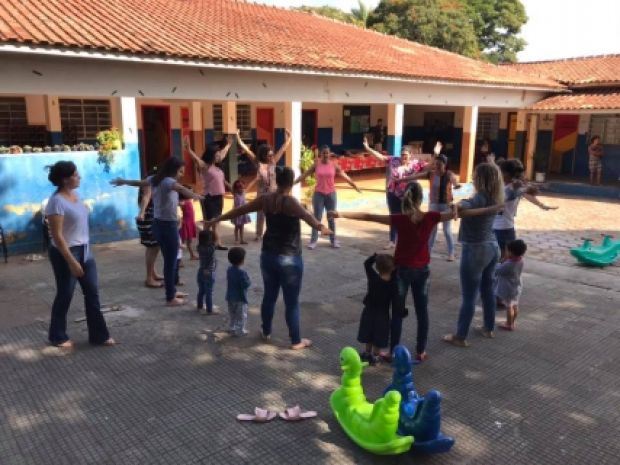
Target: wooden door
(264, 125)
(512, 134)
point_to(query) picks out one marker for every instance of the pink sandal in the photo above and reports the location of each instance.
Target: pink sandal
(296, 414)
(260, 416)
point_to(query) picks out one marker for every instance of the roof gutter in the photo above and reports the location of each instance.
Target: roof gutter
(133, 58)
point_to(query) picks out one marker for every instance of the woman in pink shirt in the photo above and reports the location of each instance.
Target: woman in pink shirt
(214, 182)
(324, 197)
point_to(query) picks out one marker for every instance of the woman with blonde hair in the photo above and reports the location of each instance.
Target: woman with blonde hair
(480, 254)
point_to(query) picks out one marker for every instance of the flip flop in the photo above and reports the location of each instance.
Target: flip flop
(296, 414)
(260, 416)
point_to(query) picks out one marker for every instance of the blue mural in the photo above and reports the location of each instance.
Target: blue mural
(24, 186)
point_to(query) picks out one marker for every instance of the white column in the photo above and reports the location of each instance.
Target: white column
(532, 134)
(395, 119)
(292, 122)
(229, 126)
(129, 120)
(468, 147)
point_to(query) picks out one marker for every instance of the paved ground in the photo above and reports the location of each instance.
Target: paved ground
(546, 394)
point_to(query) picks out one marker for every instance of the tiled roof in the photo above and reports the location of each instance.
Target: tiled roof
(592, 71)
(236, 32)
(580, 101)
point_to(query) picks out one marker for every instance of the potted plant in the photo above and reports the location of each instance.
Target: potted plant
(109, 140)
(305, 163)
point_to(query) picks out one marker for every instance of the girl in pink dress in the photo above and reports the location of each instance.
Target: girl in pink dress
(187, 230)
(242, 220)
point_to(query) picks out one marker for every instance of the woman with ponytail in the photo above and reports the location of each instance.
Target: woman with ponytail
(413, 227)
(480, 253)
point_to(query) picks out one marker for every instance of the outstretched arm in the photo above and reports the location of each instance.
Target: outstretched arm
(359, 216)
(130, 182)
(195, 158)
(373, 152)
(305, 174)
(249, 207)
(144, 201)
(220, 155)
(346, 177)
(538, 203)
(244, 147)
(280, 152)
(469, 212)
(180, 188)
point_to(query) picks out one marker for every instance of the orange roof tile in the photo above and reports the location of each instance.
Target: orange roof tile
(609, 100)
(236, 32)
(594, 71)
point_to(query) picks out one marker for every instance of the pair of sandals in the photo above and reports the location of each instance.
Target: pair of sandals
(290, 414)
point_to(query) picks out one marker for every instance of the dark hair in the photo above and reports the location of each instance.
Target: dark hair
(205, 238)
(208, 156)
(169, 169)
(513, 168)
(60, 171)
(262, 152)
(237, 184)
(236, 255)
(517, 247)
(594, 138)
(385, 263)
(325, 147)
(285, 176)
(442, 158)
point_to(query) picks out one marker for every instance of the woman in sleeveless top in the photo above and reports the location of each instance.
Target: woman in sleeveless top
(266, 173)
(280, 261)
(324, 197)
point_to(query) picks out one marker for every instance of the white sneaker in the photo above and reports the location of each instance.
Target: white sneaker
(335, 245)
(312, 245)
(390, 245)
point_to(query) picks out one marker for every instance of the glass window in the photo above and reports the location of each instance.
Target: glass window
(81, 119)
(356, 119)
(488, 126)
(13, 121)
(607, 127)
(244, 121)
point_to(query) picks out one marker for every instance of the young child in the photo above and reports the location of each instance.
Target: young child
(238, 283)
(188, 230)
(508, 285)
(239, 222)
(206, 271)
(374, 329)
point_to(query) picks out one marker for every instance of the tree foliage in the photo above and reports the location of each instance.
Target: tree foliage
(476, 28)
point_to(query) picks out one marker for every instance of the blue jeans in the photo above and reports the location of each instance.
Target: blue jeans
(395, 205)
(65, 285)
(205, 289)
(418, 280)
(166, 233)
(285, 271)
(322, 202)
(478, 262)
(447, 228)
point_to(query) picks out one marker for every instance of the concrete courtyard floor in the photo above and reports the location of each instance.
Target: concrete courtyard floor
(549, 393)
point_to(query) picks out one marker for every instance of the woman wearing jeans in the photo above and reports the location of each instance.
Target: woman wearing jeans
(165, 188)
(480, 254)
(412, 258)
(71, 258)
(280, 261)
(324, 197)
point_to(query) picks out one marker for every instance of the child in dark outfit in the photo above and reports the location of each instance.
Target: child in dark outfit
(374, 329)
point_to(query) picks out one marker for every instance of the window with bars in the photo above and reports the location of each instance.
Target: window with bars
(12, 120)
(607, 127)
(218, 124)
(488, 126)
(244, 121)
(81, 119)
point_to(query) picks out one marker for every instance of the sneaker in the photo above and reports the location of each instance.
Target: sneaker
(421, 357)
(451, 258)
(335, 245)
(312, 245)
(265, 337)
(390, 245)
(240, 333)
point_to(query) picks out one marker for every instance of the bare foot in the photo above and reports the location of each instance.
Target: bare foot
(194, 257)
(176, 302)
(181, 294)
(154, 284)
(68, 344)
(303, 344)
(156, 277)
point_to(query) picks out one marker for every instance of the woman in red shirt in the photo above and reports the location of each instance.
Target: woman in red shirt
(412, 256)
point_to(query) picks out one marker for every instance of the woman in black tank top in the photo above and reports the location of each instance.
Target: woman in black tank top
(280, 261)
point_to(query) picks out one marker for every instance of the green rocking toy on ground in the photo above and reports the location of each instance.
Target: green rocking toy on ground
(371, 426)
(602, 255)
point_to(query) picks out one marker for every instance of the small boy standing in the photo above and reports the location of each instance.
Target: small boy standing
(205, 276)
(508, 286)
(238, 283)
(374, 329)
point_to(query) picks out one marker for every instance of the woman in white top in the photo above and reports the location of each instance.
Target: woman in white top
(71, 258)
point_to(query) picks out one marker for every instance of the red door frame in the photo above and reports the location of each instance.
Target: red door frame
(315, 113)
(268, 110)
(167, 124)
(186, 131)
